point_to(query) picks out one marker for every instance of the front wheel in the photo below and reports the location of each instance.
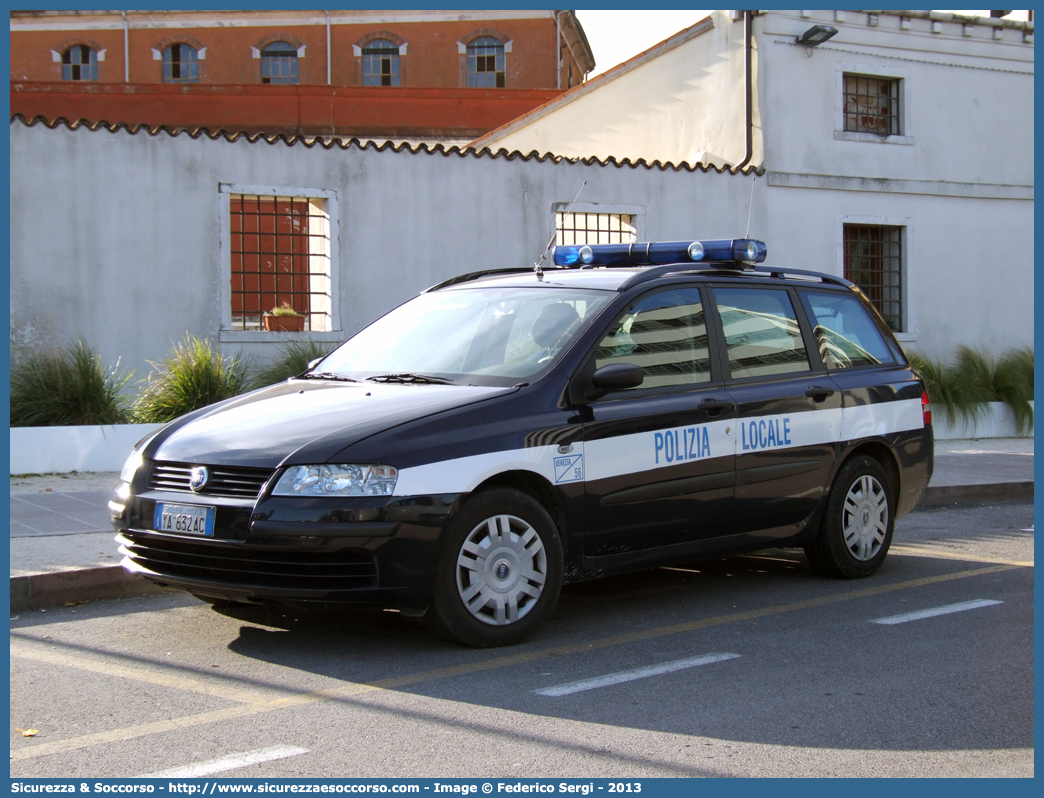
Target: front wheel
(857, 524)
(499, 571)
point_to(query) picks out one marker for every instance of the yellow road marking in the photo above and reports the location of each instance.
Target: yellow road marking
(35, 750)
(41, 652)
(942, 554)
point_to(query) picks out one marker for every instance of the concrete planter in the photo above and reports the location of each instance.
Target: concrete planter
(998, 421)
(45, 450)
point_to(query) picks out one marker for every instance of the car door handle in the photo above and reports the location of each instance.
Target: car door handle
(819, 394)
(714, 407)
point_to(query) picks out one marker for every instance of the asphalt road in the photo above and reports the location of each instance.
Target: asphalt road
(745, 666)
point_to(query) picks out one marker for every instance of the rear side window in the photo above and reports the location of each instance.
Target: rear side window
(845, 334)
(761, 330)
(665, 334)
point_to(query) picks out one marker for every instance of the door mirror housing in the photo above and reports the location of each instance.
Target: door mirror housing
(615, 377)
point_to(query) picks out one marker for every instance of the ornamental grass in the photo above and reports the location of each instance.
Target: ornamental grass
(293, 358)
(193, 375)
(963, 385)
(66, 387)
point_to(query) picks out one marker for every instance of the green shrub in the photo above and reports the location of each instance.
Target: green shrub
(1013, 384)
(67, 387)
(293, 358)
(193, 375)
(962, 387)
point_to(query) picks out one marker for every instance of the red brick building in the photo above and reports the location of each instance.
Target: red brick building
(411, 74)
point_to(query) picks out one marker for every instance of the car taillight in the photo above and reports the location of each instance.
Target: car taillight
(926, 409)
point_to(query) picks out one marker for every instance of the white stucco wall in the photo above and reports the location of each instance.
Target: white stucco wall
(115, 238)
(683, 105)
(966, 102)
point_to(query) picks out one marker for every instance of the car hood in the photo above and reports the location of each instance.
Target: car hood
(303, 421)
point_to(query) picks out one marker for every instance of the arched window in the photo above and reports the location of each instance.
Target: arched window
(79, 62)
(486, 63)
(180, 64)
(279, 63)
(380, 63)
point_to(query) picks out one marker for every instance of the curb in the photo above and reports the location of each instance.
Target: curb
(76, 585)
(976, 494)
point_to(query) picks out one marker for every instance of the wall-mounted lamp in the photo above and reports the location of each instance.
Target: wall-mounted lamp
(816, 35)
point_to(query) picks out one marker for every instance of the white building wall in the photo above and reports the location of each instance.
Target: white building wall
(115, 238)
(967, 101)
(682, 102)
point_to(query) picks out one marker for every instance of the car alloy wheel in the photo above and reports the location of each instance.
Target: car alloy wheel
(501, 570)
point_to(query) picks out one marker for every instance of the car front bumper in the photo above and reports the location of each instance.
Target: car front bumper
(369, 550)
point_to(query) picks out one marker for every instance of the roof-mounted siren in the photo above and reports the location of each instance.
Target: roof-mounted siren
(735, 253)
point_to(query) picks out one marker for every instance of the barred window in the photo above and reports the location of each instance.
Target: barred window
(873, 260)
(180, 64)
(381, 63)
(280, 249)
(486, 63)
(279, 63)
(872, 105)
(79, 62)
(595, 228)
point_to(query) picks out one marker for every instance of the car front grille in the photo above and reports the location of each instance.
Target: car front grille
(227, 481)
(236, 566)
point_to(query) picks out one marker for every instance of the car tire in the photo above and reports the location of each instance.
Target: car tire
(499, 571)
(856, 529)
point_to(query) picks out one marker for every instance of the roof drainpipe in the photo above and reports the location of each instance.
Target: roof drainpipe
(558, 46)
(748, 46)
(327, 48)
(126, 48)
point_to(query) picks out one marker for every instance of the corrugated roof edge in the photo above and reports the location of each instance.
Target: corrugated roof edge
(329, 142)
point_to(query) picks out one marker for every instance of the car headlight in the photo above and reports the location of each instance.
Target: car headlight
(337, 480)
(133, 463)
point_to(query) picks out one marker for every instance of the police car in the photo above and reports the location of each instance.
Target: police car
(511, 430)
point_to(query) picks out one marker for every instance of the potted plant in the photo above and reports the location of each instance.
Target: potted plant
(283, 318)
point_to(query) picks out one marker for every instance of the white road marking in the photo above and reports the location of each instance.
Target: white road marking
(230, 762)
(630, 676)
(920, 614)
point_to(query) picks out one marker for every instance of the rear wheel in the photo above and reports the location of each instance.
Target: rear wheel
(499, 571)
(856, 529)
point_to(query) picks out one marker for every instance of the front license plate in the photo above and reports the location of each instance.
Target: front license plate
(184, 519)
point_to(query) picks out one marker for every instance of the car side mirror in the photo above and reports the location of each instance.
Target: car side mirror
(313, 363)
(615, 377)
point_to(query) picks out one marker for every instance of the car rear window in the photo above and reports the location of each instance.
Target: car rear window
(845, 334)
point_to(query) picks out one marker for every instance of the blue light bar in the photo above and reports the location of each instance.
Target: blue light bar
(728, 250)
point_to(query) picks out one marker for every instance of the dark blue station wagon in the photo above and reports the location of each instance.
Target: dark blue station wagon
(512, 430)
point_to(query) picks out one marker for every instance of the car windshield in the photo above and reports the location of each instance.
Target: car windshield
(476, 336)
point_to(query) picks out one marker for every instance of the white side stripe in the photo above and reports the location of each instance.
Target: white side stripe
(630, 676)
(644, 451)
(230, 762)
(949, 608)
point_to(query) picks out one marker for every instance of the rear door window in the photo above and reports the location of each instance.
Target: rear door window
(845, 334)
(761, 331)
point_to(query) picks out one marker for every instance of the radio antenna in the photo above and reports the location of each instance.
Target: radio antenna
(750, 207)
(536, 266)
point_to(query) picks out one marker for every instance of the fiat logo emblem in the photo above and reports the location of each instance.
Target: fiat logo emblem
(199, 478)
(501, 569)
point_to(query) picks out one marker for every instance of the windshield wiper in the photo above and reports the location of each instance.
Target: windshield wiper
(419, 379)
(325, 375)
